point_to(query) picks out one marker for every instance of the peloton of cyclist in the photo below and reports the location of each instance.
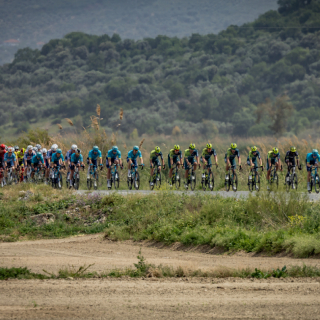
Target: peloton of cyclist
(113, 157)
(76, 160)
(189, 155)
(46, 160)
(154, 161)
(207, 152)
(273, 158)
(312, 160)
(132, 159)
(57, 159)
(174, 157)
(93, 157)
(37, 161)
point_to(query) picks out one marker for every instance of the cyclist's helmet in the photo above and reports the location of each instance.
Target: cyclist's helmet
(95, 149)
(10, 149)
(35, 149)
(254, 149)
(157, 149)
(233, 146)
(209, 145)
(29, 147)
(114, 148)
(78, 151)
(74, 147)
(38, 146)
(39, 155)
(192, 146)
(275, 150)
(314, 152)
(59, 151)
(136, 148)
(16, 148)
(44, 150)
(293, 149)
(2, 146)
(6, 148)
(176, 147)
(54, 147)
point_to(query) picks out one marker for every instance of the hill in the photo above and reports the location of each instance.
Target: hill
(34, 22)
(201, 84)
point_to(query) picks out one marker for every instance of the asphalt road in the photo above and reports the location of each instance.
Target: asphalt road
(230, 194)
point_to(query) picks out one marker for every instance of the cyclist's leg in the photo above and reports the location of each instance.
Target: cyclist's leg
(187, 170)
(268, 169)
(71, 167)
(129, 161)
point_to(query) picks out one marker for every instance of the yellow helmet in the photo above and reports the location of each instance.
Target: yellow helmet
(293, 149)
(254, 149)
(275, 150)
(176, 147)
(209, 145)
(157, 149)
(233, 146)
(192, 146)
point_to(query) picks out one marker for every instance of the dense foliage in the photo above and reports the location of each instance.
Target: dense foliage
(169, 85)
(35, 21)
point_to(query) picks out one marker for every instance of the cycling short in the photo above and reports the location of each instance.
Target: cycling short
(156, 163)
(29, 162)
(9, 164)
(134, 162)
(232, 162)
(208, 161)
(273, 161)
(255, 163)
(175, 160)
(312, 162)
(185, 163)
(112, 162)
(93, 161)
(291, 160)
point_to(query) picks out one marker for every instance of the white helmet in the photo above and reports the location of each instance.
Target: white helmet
(35, 149)
(29, 147)
(44, 150)
(74, 147)
(38, 146)
(10, 149)
(54, 147)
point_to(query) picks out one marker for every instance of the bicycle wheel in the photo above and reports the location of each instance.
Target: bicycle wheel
(256, 182)
(95, 181)
(316, 184)
(137, 181)
(158, 180)
(227, 183)
(204, 183)
(294, 183)
(251, 183)
(211, 181)
(288, 183)
(116, 180)
(311, 184)
(151, 179)
(89, 183)
(59, 182)
(235, 182)
(276, 180)
(3, 182)
(193, 181)
(177, 181)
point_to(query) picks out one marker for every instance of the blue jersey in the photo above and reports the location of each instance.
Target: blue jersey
(55, 159)
(49, 154)
(75, 159)
(112, 155)
(10, 159)
(28, 156)
(68, 154)
(35, 160)
(134, 156)
(311, 158)
(93, 156)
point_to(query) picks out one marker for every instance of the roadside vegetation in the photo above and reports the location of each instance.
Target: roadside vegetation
(264, 223)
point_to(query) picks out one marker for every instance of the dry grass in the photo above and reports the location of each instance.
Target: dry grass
(69, 121)
(60, 126)
(121, 114)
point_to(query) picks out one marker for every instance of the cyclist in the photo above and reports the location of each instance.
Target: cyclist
(10, 159)
(290, 159)
(230, 158)
(50, 153)
(174, 157)
(37, 161)
(113, 157)
(132, 159)
(252, 159)
(75, 160)
(312, 160)
(38, 147)
(68, 157)
(27, 160)
(273, 158)
(189, 155)
(207, 152)
(154, 162)
(2, 153)
(46, 160)
(57, 159)
(94, 155)
(20, 155)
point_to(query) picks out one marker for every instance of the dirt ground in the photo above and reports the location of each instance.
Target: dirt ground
(150, 298)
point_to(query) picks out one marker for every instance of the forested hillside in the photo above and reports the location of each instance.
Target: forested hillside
(200, 84)
(36, 21)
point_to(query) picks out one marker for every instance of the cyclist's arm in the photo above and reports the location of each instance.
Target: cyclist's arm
(216, 159)
(141, 160)
(260, 160)
(228, 161)
(109, 161)
(251, 163)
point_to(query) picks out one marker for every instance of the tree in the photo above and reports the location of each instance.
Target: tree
(278, 111)
(288, 6)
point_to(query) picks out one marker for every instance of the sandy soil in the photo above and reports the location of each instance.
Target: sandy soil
(150, 298)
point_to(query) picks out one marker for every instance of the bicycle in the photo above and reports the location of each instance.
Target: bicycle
(231, 179)
(115, 177)
(76, 178)
(208, 179)
(314, 179)
(175, 180)
(57, 177)
(254, 179)
(135, 178)
(11, 177)
(274, 179)
(192, 178)
(155, 178)
(93, 178)
(28, 174)
(3, 178)
(39, 175)
(291, 178)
